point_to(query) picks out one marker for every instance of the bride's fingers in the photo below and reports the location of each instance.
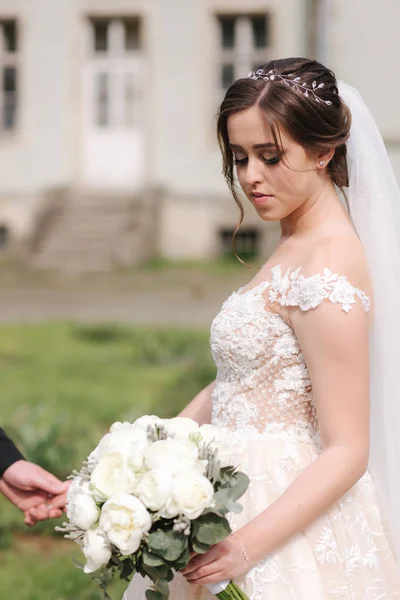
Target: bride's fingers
(198, 561)
(204, 572)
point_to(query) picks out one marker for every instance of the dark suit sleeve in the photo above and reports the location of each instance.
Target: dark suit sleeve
(9, 453)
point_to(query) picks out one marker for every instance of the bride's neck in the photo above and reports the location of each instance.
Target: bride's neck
(315, 213)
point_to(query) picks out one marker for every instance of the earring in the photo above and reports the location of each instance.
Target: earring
(322, 163)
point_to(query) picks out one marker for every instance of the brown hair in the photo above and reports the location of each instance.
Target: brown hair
(316, 126)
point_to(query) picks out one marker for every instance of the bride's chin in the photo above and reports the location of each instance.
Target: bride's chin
(267, 214)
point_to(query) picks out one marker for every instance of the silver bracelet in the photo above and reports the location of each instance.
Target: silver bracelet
(245, 555)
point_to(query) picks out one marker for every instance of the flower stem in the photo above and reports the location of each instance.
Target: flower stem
(232, 592)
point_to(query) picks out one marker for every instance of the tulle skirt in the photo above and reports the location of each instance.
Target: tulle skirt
(344, 555)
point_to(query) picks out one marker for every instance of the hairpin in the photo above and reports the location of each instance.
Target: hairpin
(297, 83)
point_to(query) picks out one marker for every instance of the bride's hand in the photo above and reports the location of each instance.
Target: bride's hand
(224, 561)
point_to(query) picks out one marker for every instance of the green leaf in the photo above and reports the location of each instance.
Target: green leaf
(221, 500)
(155, 595)
(155, 573)
(168, 544)
(211, 529)
(150, 559)
(239, 484)
(127, 569)
(159, 591)
(183, 560)
(199, 548)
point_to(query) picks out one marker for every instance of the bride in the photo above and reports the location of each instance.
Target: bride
(307, 351)
(307, 357)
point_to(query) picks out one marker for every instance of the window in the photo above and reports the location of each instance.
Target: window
(246, 242)
(244, 43)
(133, 38)
(100, 35)
(116, 56)
(9, 74)
(117, 36)
(102, 93)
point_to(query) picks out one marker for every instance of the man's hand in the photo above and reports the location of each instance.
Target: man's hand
(29, 486)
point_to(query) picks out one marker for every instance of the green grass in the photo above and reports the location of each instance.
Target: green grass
(62, 386)
(42, 569)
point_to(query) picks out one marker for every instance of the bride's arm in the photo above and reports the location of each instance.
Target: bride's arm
(335, 348)
(199, 408)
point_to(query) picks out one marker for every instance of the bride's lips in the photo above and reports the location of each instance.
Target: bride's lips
(259, 199)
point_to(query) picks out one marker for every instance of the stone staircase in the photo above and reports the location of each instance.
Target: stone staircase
(97, 232)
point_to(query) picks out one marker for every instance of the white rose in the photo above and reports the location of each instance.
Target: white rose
(112, 475)
(126, 439)
(180, 427)
(124, 519)
(82, 510)
(175, 456)
(96, 550)
(192, 493)
(143, 422)
(154, 488)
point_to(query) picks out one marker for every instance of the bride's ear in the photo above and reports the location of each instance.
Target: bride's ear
(323, 158)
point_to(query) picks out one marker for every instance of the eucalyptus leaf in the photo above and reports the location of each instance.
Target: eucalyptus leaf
(211, 529)
(127, 569)
(156, 573)
(238, 484)
(155, 595)
(199, 548)
(151, 560)
(168, 544)
(183, 560)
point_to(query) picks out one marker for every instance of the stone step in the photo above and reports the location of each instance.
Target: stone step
(95, 233)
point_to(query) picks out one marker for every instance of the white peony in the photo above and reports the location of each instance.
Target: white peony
(154, 488)
(192, 493)
(96, 550)
(112, 475)
(219, 439)
(170, 509)
(174, 456)
(180, 427)
(124, 519)
(143, 422)
(127, 439)
(82, 510)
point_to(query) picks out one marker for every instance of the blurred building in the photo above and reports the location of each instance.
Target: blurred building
(108, 151)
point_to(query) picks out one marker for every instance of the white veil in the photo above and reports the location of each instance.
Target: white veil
(374, 202)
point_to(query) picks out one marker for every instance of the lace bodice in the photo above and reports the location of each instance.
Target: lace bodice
(262, 380)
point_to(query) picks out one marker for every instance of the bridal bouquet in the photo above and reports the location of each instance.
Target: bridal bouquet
(152, 493)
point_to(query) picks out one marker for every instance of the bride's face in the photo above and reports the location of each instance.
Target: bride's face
(276, 187)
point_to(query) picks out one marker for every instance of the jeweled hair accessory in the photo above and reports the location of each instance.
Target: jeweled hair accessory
(301, 86)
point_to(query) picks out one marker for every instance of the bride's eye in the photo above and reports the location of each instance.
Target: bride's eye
(239, 161)
(271, 161)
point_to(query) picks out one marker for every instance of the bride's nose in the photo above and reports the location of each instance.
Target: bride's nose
(254, 173)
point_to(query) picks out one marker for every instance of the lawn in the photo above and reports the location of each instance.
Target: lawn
(63, 384)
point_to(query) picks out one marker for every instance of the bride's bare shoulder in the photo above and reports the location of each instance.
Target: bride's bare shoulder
(342, 254)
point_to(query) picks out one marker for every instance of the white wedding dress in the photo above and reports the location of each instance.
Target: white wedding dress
(264, 395)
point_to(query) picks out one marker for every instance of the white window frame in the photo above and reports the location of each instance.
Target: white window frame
(8, 59)
(244, 55)
(116, 55)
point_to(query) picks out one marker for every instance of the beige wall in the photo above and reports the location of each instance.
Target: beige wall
(181, 154)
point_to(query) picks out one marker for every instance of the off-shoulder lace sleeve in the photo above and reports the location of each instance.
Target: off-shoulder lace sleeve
(294, 289)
